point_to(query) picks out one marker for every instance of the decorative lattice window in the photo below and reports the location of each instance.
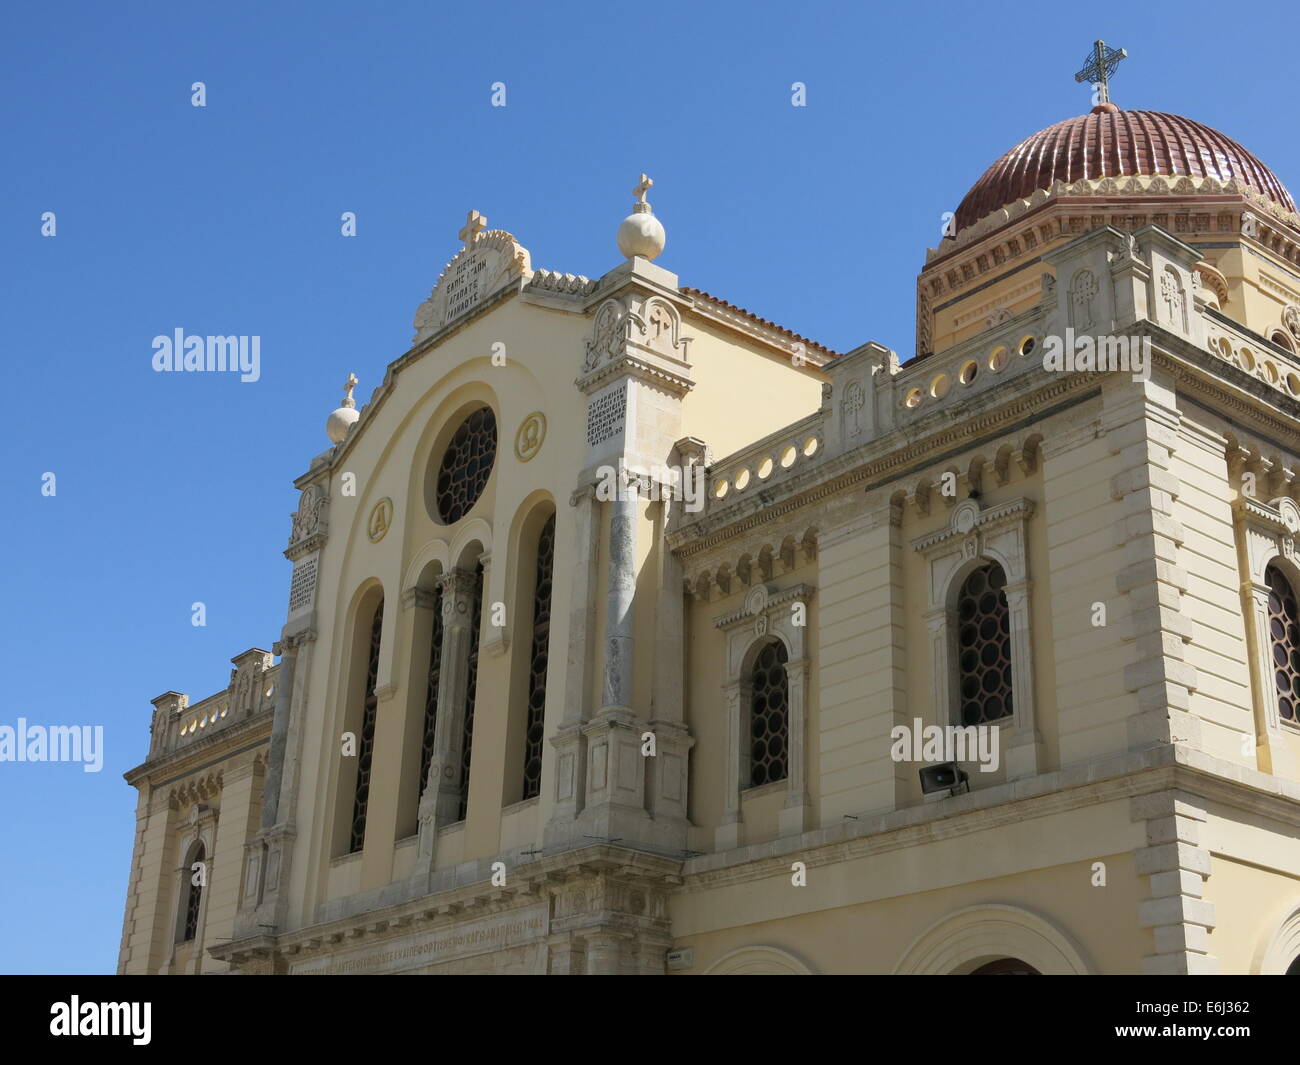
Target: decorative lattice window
(471, 689)
(537, 662)
(466, 465)
(984, 647)
(194, 896)
(1284, 637)
(769, 717)
(366, 744)
(431, 693)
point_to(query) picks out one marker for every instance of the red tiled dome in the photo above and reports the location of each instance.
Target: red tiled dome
(1109, 142)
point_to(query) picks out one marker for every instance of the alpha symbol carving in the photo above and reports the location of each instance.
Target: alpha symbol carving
(381, 517)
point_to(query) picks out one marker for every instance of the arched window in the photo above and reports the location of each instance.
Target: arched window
(431, 693)
(769, 717)
(466, 466)
(1006, 967)
(195, 879)
(1284, 640)
(471, 689)
(984, 647)
(535, 724)
(366, 741)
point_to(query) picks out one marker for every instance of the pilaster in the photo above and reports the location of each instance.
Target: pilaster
(1178, 865)
(1140, 421)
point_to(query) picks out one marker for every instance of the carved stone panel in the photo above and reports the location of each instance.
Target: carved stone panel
(489, 262)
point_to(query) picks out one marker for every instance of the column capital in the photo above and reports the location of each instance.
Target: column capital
(458, 587)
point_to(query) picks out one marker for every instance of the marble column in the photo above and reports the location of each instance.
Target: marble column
(619, 641)
(568, 740)
(440, 803)
(615, 790)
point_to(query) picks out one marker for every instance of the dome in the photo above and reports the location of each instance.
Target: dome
(1109, 142)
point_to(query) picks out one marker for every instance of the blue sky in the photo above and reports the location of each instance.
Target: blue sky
(176, 488)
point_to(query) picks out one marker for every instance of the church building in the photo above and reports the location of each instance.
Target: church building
(629, 632)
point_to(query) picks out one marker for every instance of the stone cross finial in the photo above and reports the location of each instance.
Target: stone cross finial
(348, 386)
(474, 223)
(643, 186)
(1099, 67)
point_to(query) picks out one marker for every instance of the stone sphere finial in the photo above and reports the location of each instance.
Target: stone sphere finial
(641, 233)
(343, 419)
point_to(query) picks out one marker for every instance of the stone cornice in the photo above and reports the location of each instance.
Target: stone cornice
(204, 753)
(642, 369)
(1119, 777)
(1143, 193)
(891, 457)
(535, 880)
(554, 283)
(798, 593)
(1016, 510)
(1223, 387)
(1220, 393)
(314, 542)
(1268, 517)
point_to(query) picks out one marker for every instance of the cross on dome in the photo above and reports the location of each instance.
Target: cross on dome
(1099, 67)
(348, 386)
(643, 186)
(474, 224)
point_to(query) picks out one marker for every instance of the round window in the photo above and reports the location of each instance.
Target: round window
(466, 465)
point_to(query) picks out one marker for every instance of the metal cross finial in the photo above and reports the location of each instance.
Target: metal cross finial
(643, 186)
(474, 223)
(1099, 67)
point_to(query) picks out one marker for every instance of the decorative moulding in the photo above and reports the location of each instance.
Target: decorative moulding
(1143, 184)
